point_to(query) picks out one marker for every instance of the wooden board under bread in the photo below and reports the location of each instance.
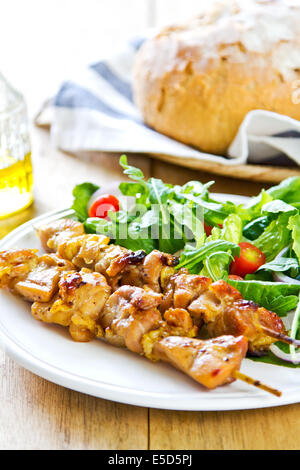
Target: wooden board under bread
(259, 173)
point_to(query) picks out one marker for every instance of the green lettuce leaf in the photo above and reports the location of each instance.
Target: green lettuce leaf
(137, 190)
(256, 203)
(294, 226)
(232, 229)
(122, 230)
(192, 258)
(275, 296)
(82, 194)
(216, 265)
(288, 190)
(274, 238)
(280, 265)
(276, 207)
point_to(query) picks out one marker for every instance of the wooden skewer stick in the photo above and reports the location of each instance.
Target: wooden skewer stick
(281, 337)
(256, 383)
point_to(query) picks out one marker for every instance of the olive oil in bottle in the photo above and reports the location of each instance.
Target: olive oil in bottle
(15, 156)
(15, 186)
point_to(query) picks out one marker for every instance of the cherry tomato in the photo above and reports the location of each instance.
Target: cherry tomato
(250, 259)
(104, 204)
(234, 277)
(208, 229)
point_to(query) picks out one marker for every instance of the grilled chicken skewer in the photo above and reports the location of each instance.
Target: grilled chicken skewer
(35, 277)
(218, 305)
(129, 317)
(119, 265)
(83, 304)
(223, 310)
(59, 293)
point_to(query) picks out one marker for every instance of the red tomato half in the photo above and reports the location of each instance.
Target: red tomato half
(250, 259)
(208, 229)
(104, 204)
(234, 277)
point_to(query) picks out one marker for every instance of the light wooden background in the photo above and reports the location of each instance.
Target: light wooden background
(42, 43)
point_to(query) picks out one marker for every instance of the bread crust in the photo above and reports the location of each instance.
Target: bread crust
(200, 95)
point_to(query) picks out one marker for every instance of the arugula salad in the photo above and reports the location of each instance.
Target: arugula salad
(253, 246)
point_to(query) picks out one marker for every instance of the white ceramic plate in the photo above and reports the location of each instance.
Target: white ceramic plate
(99, 369)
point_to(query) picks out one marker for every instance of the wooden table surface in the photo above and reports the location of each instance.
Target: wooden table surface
(37, 414)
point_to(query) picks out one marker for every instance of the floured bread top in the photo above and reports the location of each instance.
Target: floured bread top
(232, 28)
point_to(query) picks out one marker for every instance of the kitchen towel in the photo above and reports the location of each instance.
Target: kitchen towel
(94, 111)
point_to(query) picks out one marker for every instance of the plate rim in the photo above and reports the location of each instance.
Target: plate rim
(119, 393)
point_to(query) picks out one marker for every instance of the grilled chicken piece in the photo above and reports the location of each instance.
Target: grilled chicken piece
(119, 265)
(84, 250)
(176, 322)
(125, 267)
(130, 276)
(92, 251)
(135, 268)
(41, 283)
(243, 317)
(186, 290)
(222, 309)
(55, 233)
(181, 319)
(210, 362)
(153, 266)
(115, 259)
(130, 313)
(15, 266)
(80, 300)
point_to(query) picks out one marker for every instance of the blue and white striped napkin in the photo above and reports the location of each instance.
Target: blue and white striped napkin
(94, 111)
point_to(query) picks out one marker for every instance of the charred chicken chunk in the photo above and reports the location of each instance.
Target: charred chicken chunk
(81, 298)
(15, 266)
(222, 309)
(49, 313)
(210, 362)
(115, 259)
(153, 266)
(84, 250)
(179, 318)
(55, 233)
(129, 313)
(41, 283)
(191, 292)
(243, 317)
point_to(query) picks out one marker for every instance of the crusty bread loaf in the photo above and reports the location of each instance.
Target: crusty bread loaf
(196, 81)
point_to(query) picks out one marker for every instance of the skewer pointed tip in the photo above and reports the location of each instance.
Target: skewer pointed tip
(256, 383)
